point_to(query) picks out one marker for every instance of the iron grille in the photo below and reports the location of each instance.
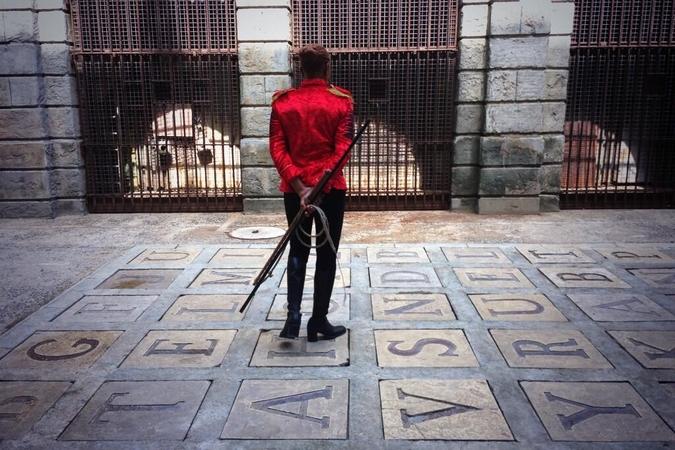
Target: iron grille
(620, 123)
(159, 106)
(398, 58)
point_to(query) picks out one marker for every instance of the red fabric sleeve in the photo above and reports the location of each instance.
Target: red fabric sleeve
(279, 152)
(343, 139)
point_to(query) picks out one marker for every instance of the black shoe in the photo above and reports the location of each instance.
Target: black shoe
(291, 328)
(322, 326)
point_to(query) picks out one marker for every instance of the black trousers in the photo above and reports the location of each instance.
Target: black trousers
(333, 204)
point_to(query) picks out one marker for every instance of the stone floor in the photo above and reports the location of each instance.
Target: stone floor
(487, 345)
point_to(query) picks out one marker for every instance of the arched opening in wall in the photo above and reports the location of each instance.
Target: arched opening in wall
(159, 104)
(620, 129)
(399, 61)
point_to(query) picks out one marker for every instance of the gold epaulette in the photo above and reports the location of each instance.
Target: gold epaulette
(278, 94)
(338, 92)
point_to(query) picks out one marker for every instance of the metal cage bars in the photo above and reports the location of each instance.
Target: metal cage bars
(620, 124)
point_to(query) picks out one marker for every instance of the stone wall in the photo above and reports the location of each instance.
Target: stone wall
(264, 34)
(521, 145)
(41, 167)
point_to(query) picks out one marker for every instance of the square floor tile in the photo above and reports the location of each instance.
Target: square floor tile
(240, 278)
(403, 276)
(48, 350)
(411, 306)
(140, 279)
(241, 257)
(652, 349)
(516, 307)
(595, 412)
(583, 277)
(289, 409)
(107, 308)
(553, 254)
(423, 348)
(22, 404)
(397, 255)
(342, 279)
(625, 254)
(658, 278)
(338, 309)
(181, 348)
(493, 278)
(567, 349)
(613, 307)
(475, 255)
(138, 410)
(177, 257)
(205, 307)
(463, 410)
(273, 351)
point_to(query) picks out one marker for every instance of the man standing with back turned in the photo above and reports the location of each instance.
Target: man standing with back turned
(310, 129)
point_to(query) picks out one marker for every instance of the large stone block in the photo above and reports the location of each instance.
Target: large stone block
(255, 121)
(549, 177)
(472, 53)
(562, 17)
(67, 182)
(25, 91)
(257, 90)
(13, 210)
(514, 118)
(464, 180)
(260, 181)
(17, 26)
(502, 85)
(535, 17)
(511, 151)
(16, 4)
(40, 5)
(52, 26)
(522, 17)
(267, 57)
(275, 83)
(471, 86)
(469, 119)
(549, 203)
(263, 205)
(265, 24)
(63, 122)
(55, 59)
(509, 181)
(262, 3)
(24, 185)
(466, 150)
(556, 85)
(5, 95)
(23, 155)
(554, 117)
(505, 18)
(508, 205)
(518, 52)
(18, 59)
(255, 152)
(474, 21)
(65, 153)
(61, 90)
(69, 206)
(558, 52)
(530, 85)
(554, 147)
(468, 204)
(21, 124)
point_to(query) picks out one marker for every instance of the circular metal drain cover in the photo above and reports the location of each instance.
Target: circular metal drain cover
(257, 233)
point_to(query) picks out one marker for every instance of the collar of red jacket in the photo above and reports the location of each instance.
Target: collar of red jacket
(314, 82)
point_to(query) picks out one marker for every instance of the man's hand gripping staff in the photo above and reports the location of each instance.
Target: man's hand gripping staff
(313, 197)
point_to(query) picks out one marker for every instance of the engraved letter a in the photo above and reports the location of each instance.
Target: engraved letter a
(302, 400)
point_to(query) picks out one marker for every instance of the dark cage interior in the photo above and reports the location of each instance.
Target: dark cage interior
(398, 58)
(620, 123)
(159, 104)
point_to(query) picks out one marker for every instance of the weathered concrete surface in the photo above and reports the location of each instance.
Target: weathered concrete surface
(40, 258)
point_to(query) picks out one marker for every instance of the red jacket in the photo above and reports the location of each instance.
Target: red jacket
(310, 129)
